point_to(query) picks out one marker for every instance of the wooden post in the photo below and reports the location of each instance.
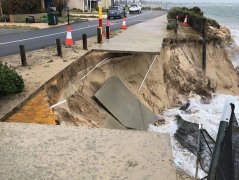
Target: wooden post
(84, 38)
(107, 32)
(58, 45)
(23, 55)
(204, 47)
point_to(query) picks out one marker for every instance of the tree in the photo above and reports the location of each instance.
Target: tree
(60, 5)
(21, 6)
(1, 13)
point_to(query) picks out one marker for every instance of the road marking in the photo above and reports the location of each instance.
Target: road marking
(48, 35)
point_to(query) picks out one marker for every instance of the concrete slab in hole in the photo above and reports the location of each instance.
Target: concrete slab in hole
(29, 151)
(112, 123)
(146, 37)
(123, 105)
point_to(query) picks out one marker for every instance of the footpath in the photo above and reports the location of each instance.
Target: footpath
(146, 37)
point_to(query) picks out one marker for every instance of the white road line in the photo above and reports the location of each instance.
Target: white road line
(48, 35)
(147, 73)
(38, 37)
(94, 68)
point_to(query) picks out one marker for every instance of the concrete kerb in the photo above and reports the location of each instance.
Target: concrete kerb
(42, 87)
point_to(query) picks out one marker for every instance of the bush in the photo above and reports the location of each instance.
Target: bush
(10, 81)
(4, 18)
(21, 6)
(195, 17)
(172, 25)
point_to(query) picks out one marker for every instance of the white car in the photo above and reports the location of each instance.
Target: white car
(135, 8)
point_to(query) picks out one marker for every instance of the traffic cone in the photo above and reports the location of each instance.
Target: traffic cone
(107, 22)
(185, 23)
(124, 24)
(69, 40)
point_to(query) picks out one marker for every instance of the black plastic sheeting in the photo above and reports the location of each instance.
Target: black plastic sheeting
(228, 165)
(187, 135)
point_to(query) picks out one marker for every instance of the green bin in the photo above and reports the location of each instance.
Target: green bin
(52, 18)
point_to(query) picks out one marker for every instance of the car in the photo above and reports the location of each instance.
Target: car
(135, 8)
(116, 12)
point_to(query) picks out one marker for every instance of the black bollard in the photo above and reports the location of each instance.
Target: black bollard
(58, 45)
(99, 35)
(107, 32)
(23, 55)
(84, 38)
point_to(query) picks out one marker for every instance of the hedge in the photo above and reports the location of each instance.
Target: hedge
(10, 81)
(195, 17)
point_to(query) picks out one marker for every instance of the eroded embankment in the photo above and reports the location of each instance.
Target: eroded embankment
(175, 73)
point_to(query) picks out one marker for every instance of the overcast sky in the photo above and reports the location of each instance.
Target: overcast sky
(202, 1)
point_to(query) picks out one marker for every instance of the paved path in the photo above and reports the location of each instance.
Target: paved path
(146, 37)
(30, 151)
(37, 39)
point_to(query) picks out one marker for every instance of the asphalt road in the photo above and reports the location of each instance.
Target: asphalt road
(36, 39)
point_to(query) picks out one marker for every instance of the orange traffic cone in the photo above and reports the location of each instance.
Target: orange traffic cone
(185, 23)
(69, 40)
(124, 24)
(107, 22)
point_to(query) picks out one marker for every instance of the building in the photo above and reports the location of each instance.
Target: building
(88, 4)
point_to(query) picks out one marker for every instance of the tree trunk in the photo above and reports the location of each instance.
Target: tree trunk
(1, 13)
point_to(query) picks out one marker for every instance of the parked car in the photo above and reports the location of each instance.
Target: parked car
(135, 8)
(116, 11)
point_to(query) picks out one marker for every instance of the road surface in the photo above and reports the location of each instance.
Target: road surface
(36, 39)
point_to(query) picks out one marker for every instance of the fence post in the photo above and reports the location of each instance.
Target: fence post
(58, 45)
(23, 55)
(84, 38)
(198, 150)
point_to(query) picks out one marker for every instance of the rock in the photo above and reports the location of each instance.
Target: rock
(160, 122)
(185, 106)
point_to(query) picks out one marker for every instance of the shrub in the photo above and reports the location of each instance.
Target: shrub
(21, 6)
(172, 25)
(195, 17)
(10, 81)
